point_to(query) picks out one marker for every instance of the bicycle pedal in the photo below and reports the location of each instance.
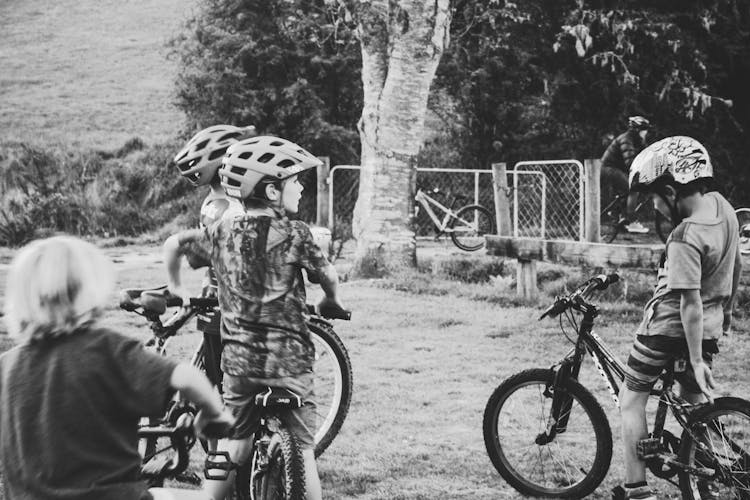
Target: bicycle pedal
(218, 465)
(648, 448)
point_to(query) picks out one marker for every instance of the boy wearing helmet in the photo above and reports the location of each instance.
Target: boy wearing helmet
(198, 162)
(692, 303)
(616, 162)
(258, 256)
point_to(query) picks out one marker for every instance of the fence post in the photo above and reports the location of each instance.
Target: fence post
(592, 171)
(526, 279)
(502, 207)
(322, 215)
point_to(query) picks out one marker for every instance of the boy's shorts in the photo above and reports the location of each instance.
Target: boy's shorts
(239, 398)
(652, 353)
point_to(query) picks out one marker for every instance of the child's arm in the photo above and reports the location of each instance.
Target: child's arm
(691, 314)
(195, 387)
(329, 280)
(729, 306)
(175, 247)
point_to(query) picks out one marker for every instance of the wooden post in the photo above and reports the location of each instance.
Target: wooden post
(526, 279)
(502, 205)
(322, 215)
(592, 204)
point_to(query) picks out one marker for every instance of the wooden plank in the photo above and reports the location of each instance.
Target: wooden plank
(576, 252)
(526, 280)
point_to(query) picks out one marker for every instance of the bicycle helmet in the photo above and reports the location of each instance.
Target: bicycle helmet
(679, 159)
(638, 123)
(264, 158)
(201, 156)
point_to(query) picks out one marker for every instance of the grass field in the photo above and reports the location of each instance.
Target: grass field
(89, 73)
(424, 367)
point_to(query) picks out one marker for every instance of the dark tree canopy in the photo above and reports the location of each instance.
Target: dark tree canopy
(538, 79)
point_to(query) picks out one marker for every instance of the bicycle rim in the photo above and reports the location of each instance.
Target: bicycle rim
(719, 440)
(572, 465)
(469, 226)
(333, 384)
(609, 221)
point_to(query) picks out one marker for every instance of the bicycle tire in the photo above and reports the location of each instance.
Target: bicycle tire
(341, 396)
(609, 221)
(284, 476)
(485, 224)
(731, 460)
(663, 225)
(497, 451)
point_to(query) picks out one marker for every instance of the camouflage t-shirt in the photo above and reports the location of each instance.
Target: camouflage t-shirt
(258, 260)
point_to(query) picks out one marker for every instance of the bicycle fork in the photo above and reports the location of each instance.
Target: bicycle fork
(562, 401)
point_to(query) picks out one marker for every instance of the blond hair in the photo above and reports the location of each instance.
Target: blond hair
(55, 287)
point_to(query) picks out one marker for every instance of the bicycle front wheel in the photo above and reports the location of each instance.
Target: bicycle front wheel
(333, 383)
(284, 476)
(468, 227)
(717, 442)
(572, 464)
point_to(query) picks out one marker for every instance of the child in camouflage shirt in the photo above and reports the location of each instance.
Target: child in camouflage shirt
(258, 256)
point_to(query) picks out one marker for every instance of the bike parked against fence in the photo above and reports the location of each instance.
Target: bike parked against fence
(548, 436)
(466, 226)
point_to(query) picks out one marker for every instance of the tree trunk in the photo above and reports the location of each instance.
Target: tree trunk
(402, 42)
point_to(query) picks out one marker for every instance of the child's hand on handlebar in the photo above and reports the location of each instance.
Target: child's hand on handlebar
(330, 303)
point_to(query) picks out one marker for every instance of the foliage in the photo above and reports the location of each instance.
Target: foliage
(125, 192)
(290, 67)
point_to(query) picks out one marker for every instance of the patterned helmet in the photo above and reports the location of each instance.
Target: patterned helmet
(638, 123)
(201, 156)
(250, 161)
(682, 158)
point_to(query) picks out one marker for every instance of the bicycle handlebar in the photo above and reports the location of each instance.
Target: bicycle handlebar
(600, 282)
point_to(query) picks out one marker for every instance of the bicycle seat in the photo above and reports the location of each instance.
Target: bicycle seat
(152, 300)
(276, 397)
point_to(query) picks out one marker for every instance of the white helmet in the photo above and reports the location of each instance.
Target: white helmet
(201, 156)
(250, 161)
(682, 158)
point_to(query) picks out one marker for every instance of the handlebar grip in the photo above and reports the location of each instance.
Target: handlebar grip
(330, 312)
(204, 302)
(604, 280)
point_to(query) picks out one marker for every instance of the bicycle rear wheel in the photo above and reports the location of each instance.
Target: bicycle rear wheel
(573, 464)
(284, 475)
(470, 225)
(718, 439)
(333, 383)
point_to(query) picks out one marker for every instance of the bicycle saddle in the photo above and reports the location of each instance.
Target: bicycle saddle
(152, 300)
(276, 397)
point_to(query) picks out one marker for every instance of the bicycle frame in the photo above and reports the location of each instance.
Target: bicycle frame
(442, 226)
(612, 370)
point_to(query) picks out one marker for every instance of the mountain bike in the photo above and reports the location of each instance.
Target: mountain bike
(333, 369)
(466, 226)
(275, 471)
(547, 435)
(613, 218)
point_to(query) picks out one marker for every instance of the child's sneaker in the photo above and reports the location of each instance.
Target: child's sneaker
(640, 493)
(636, 227)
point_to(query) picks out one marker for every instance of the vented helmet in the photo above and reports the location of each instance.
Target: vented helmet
(201, 156)
(250, 161)
(681, 158)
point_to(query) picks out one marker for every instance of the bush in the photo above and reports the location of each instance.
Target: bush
(122, 193)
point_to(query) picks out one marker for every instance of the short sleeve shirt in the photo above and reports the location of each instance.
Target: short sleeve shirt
(69, 412)
(700, 255)
(258, 259)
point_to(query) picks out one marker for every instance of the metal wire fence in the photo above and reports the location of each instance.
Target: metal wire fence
(545, 198)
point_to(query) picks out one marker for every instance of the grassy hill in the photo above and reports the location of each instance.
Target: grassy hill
(89, 73)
